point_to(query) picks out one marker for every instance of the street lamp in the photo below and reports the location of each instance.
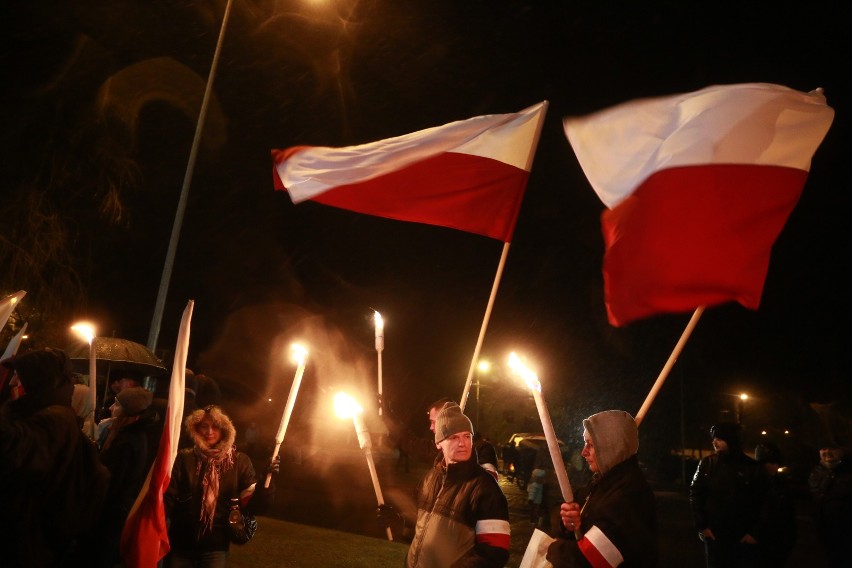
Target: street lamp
(86, 332)
(741, 407)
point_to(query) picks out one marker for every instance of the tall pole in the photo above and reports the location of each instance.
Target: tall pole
(157, 320)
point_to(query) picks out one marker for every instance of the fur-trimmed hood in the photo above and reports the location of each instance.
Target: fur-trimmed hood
(229, 433)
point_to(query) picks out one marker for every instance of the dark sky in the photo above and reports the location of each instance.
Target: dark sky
(97, 82)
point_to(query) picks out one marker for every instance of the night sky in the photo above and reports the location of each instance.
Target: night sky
(94, 89)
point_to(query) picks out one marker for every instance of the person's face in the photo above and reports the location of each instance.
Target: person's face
(209, 431)
(457, 448)
(830, 456)
(589, 454)
(115, 387)
(433, 414)
(126, 384)
(115, 409)
(720, 446)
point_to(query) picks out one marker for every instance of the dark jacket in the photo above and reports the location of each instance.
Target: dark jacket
(183, 501)
(727, 494)
(618, 506)
(462, 519)
(43, 486)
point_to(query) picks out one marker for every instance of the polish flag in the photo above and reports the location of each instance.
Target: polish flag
(698, 187)
(468, 175)
(145, 538)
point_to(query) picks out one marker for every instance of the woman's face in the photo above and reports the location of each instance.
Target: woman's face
(209, 431)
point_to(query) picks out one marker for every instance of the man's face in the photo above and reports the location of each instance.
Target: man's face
(589, 454)
(830, 456)
(719, 446)
(433, 414)
(457, 448)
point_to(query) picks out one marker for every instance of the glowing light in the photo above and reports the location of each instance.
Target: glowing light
(380, 323)
(484, 366)
(743, 397)
(268, 400)
(763, 432)
(298, 353)
(529, 377)
(345, 406)
(84, 330)
(786, 432)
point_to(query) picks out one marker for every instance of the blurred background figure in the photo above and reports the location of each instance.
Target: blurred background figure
(777, 531)
(830, 483)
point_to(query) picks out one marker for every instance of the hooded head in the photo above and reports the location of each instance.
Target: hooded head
(220, 419)
(614, 435)
(450, 420)
(730, 433)
(134, 401)
(45, 376)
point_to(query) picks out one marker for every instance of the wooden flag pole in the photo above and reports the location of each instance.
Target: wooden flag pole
(669, 364)
(479, 341)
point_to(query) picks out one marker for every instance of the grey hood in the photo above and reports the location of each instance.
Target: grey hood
(614, 435)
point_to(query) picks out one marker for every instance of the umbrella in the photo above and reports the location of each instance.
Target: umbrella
(113, 353)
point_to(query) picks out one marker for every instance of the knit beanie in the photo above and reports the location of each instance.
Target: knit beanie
(614, 435)
(450, 420)
(134, 401)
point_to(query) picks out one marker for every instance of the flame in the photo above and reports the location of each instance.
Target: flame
(85, 330)
(529, 377)
(380, 323)
(299, 353)
(345, 406)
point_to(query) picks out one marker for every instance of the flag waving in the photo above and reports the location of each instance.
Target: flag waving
(468, 175)
(145, 540)
(698, 186)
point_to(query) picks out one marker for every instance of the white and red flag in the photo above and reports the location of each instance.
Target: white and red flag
(468, 175)
(145, 539)
(698, 187)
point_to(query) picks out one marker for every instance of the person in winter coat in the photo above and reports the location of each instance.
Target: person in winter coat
(727, 495)
(204, 480)
(462, 515)
(617, 524)
(777, 532)
(125, 454)
(52, 485)
(830, 483)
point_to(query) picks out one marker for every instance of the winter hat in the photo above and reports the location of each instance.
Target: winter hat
(727, 432)
(134, 401)
(614, 435)
(450, 420)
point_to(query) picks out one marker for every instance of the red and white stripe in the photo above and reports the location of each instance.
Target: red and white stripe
(493, 532)
(599, 550)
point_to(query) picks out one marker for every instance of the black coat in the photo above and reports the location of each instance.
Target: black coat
(619, 504)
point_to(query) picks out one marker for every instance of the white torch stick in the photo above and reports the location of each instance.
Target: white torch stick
(300, 356)
(552, 443)
(380, 346)
(345, 406)
(87, 332)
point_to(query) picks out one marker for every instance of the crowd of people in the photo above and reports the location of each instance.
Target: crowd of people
(69, 495)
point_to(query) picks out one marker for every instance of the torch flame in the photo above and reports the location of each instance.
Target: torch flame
(529, 377)
(345, 406)
(85, 330)
(299, 353)
(380, 323)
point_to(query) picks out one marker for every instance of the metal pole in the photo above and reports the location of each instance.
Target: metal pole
(157, 320)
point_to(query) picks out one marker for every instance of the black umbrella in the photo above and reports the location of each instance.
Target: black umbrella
(113, 353)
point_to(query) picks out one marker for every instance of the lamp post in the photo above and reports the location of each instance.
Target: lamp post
(483, 367)
(741, 407)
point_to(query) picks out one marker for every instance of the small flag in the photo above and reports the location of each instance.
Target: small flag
(468, 175)
(698, 186)
(145, 539)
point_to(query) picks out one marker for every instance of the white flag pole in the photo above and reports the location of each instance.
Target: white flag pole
(484, 326)
(669, 364)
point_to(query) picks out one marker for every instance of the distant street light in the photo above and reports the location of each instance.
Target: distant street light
(741, 408)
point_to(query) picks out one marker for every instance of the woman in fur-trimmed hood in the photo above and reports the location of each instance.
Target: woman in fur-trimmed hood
(204, 480)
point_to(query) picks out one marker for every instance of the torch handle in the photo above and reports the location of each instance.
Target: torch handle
(375, 477)
(553, 446)
(274, 454)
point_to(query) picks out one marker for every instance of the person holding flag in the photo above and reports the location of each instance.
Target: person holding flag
(617, 522)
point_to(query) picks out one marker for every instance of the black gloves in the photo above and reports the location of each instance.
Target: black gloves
(387, 515)
(274, 466)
